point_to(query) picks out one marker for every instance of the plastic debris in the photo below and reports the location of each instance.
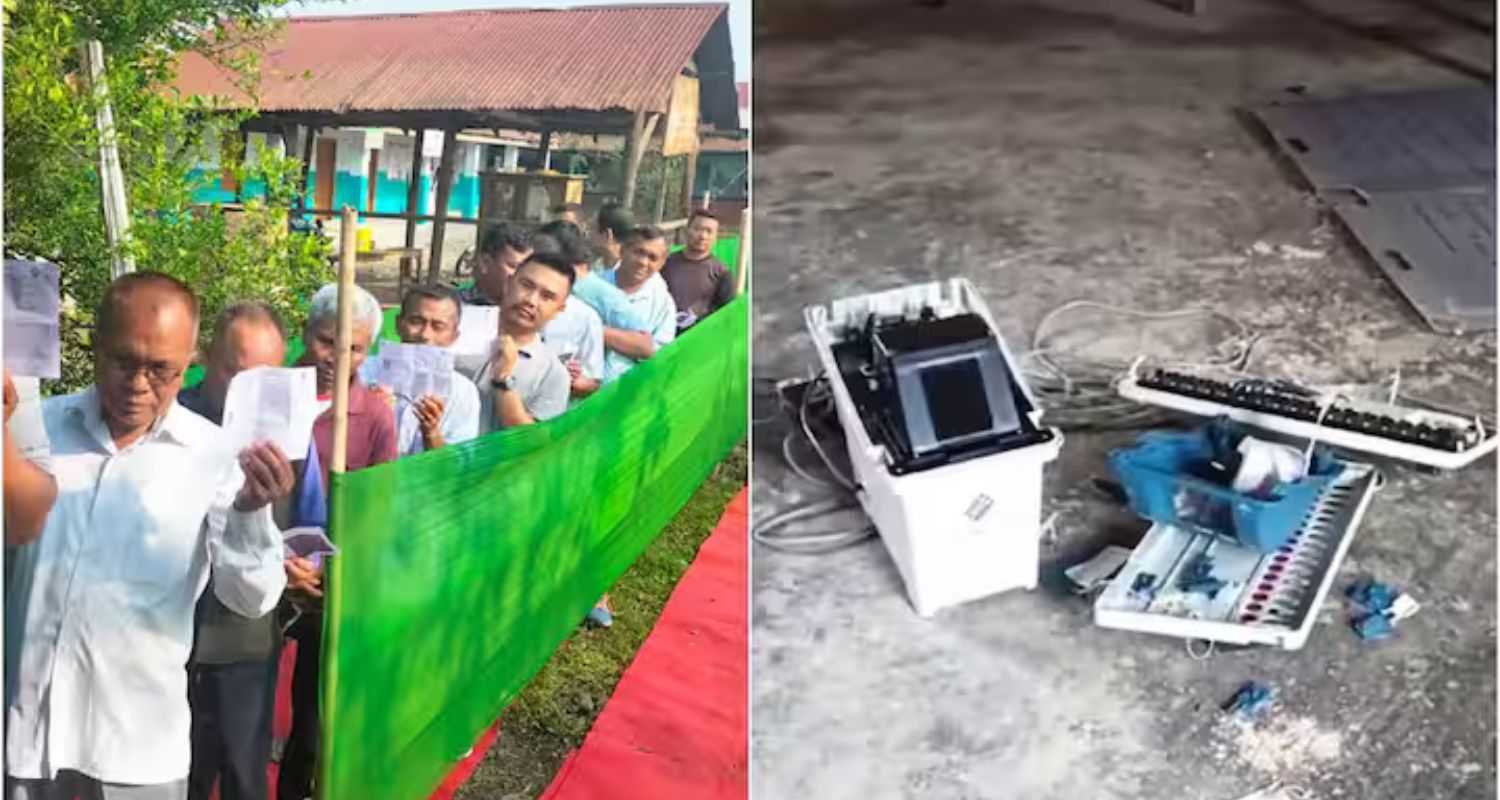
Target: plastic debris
(1381, 606)
(1372, 595)
(1097, 571)
(1199, 577)
(1403, 607)
(1144, 586)
(1252, 700)
(1373, 627)
(1299, 253)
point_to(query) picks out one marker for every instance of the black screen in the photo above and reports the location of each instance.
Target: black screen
(956, 399)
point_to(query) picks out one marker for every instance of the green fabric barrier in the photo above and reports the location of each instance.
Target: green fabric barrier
(462, 570)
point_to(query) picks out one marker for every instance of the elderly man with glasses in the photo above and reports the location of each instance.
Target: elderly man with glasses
(99, 609)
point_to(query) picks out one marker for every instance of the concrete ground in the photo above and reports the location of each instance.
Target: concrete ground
(1057, 151)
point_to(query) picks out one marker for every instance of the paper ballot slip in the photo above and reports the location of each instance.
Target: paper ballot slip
(478, 326)
(414, 370)
(309, 543)
(32, 346)
(277, 404)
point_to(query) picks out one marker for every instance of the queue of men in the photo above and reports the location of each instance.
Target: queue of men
(143, 543)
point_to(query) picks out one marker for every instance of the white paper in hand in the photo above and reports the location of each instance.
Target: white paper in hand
(277, 404)
(32, 347)
(411, 371)
(478, 326)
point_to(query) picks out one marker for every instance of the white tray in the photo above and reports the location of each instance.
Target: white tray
(1268, 599)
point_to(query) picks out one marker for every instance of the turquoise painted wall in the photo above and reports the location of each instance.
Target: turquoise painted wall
(464, 199)
(390, 195)
(211, 189)
(350, 190)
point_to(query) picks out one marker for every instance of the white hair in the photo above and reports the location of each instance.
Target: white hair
(363, 307)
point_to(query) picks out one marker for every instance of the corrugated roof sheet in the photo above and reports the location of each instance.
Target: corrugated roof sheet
(592, 59)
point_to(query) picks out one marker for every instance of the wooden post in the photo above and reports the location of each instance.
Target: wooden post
(440, 210)
(690, 176)
(661, 192)
(239, 185)
(641, 129)
(546, 159)
(742, 262)
(413, 196)
(309, 136)
(116, 209)
(347, 242)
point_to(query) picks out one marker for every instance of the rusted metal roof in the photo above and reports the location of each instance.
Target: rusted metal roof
(603, 58)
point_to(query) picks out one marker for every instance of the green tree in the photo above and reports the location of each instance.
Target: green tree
(51, 194)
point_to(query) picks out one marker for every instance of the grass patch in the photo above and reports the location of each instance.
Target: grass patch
(555, 711)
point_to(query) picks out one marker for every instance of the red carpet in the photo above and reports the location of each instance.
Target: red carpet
(677, 723)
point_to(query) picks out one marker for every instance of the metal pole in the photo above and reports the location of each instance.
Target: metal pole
(743, 261)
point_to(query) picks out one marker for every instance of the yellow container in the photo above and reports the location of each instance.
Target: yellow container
(364, 239)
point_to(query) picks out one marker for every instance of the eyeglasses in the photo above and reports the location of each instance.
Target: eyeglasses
(126, 368)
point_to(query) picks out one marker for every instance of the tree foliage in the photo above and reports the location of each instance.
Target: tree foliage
(52, 200)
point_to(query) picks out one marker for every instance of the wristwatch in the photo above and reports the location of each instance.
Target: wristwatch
(504, 384)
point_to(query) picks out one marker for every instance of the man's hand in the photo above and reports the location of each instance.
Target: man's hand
(384, 393)
(575, 369)
(12, 398)
(429, 411)
(506, 356)
(303, 576)
(268, 476)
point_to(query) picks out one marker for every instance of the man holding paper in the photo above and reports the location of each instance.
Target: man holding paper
(99, 613)
(429, 322)
(371, 440)
(232, 674)
(523, 381)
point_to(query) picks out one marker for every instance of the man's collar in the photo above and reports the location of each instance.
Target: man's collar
(177, 424)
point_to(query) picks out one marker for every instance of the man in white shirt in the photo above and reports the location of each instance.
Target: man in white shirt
(99, 613)
(577, 332)
(430, 316)
(643, 252)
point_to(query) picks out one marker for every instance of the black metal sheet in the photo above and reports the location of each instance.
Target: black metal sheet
(1396, 141)
(1437, 247)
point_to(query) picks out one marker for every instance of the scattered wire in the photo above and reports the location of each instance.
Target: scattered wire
(1078, 392)
(1204, 655)
(772, 532)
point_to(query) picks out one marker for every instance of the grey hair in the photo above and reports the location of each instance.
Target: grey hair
(363, 307)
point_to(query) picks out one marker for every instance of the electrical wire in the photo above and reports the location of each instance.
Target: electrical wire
(1077, 392)
(774, 531)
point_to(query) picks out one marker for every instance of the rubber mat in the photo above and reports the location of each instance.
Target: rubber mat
(1389, 142)
(1438, 248)
(676, 725)
(1412, 175)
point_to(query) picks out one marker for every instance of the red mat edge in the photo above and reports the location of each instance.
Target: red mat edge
(735, 514)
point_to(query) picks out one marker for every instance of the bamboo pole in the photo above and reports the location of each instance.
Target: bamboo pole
(112, 177)
(743, 261)
(341, 373)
